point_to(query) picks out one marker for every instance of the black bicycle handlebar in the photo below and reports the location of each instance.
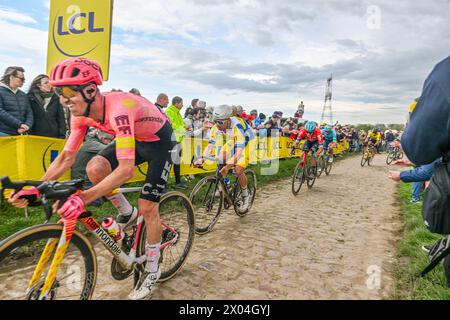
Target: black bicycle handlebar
(54, 190)
(8, 184)
(50, 189)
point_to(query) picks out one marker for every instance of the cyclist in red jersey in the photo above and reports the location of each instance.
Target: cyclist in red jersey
(313, 136)
(143, 134)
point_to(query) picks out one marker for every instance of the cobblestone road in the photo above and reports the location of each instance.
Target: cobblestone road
(336, 241)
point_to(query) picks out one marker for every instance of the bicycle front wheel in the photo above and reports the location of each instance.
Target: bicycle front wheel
(311, 172)
(298, 178)
(25, 260)
(207, 201)
(364, 159)
(177, 216)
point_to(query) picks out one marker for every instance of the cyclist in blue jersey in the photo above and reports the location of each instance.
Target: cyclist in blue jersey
(330, 140)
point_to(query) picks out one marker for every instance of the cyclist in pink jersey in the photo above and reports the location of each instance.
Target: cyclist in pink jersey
(143, 134)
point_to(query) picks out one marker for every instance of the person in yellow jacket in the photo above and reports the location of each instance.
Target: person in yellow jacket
(174, 115)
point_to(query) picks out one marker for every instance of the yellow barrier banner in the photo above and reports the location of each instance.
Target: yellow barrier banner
(28, 157)
(80, 28)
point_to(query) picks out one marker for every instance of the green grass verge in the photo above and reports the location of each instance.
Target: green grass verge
(412, 259)
(13, 219)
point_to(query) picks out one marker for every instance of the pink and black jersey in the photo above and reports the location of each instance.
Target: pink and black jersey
(128, 117)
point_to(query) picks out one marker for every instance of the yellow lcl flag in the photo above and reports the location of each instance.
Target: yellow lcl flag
(80, 28)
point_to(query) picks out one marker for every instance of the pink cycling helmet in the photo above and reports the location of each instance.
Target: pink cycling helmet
(76, 72)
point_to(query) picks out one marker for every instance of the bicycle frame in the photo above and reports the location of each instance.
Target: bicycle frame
(125, 260)
(326, 153)
(220, 180)
(370, 148)
(305, 157)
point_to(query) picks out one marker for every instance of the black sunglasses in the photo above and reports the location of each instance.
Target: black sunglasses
(220, 122)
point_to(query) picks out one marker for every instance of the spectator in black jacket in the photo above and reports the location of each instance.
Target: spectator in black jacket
(427, 136)
(16, 116)
(47, 111)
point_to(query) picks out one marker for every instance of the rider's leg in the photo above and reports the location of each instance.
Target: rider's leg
(243, 182)
(330, 153)
(157, 175)
(150, 211)
(326, 144)
(155, 183)
(315, 152)
(98, 169)
(241, 177)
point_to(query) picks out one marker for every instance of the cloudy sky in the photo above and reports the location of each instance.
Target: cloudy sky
(263, 54)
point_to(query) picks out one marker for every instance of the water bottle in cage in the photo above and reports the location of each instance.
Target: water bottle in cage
(113, 229)
(227, 183)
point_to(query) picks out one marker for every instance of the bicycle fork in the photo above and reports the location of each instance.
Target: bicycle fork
(63, 244)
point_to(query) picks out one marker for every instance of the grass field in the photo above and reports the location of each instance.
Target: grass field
(412, 260)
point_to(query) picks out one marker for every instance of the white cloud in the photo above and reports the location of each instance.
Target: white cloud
(22, 40)
(264, 53)
(14, 16)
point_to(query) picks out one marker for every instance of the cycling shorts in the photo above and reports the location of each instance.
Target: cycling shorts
(157, 154)
(310, 145)
(326, 143)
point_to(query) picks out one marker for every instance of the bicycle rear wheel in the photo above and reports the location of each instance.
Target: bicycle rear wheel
(207, 206)
(175, 211)
(251, 186)
(298, 178)
(21, 253)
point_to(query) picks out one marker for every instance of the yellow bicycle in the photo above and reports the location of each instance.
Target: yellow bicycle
(55, 261)
(369, 152)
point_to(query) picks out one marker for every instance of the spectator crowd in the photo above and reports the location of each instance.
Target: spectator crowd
(39, 112)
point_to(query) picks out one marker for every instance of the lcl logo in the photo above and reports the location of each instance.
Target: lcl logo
(75, 24)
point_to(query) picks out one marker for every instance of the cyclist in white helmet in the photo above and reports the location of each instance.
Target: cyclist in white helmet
(233, 134)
